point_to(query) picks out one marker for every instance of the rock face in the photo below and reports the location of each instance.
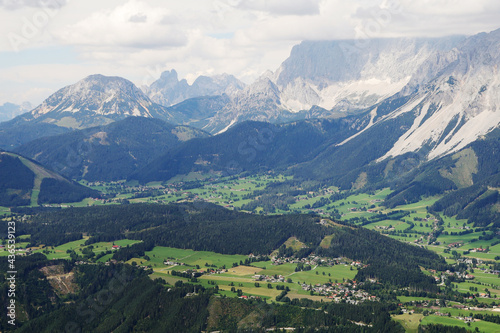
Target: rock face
(459, 100)
(260, 101)
(168, 90)
(354, 73)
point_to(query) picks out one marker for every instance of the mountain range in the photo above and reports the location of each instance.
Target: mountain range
(344, 112)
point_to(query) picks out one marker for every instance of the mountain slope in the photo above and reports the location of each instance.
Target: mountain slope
(249, 146)
(108, 152)
(198, 111)
(447, 105)
(13, 134)
(359, 73)
(24, 182)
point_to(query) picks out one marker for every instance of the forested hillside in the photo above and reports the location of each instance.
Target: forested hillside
(24, 182)
(206, 227)
(250, 146)
(109, 152)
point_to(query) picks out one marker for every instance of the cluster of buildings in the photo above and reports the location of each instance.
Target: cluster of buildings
(169, 262)
(313, 260)
(459, 275)
(270, 279)
(479, 249)
(341, 292)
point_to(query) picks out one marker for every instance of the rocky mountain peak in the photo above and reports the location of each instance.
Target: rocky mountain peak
(95, 100)
(168, 90)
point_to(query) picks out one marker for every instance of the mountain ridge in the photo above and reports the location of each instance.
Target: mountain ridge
(109, 152)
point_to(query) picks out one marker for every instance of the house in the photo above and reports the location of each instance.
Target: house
(116, 247)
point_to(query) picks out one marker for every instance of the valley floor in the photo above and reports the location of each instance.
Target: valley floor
(456, 240)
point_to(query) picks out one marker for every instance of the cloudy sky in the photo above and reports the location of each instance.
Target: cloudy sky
(48, 44)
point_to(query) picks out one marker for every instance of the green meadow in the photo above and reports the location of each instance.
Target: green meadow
(482, 326)
(191, 257)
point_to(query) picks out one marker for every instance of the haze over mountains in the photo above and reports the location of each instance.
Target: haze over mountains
(10, 110)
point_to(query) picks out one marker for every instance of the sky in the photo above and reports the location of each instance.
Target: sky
(48, 44)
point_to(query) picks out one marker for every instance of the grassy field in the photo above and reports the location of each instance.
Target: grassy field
(406, 299)
(294, 243)
(230, 192)
(241, 277)
(409, 321)
(4, 211)
(60, 252)
(190, 257)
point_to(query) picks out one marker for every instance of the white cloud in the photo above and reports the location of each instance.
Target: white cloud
(135, 24)
(281, 7)
(17, 4)
(137, 39)
(138, 18)
(426, 18)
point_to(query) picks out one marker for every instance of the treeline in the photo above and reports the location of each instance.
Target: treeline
(438, 328)
(405, 194)
(394, 215)
(133, 251)
(33, 292)
(118, 298)
(302, 314)
(487, 317)
(280, 195)
(477, 202)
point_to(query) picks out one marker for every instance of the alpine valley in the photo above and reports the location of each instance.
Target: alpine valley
(360, 178)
